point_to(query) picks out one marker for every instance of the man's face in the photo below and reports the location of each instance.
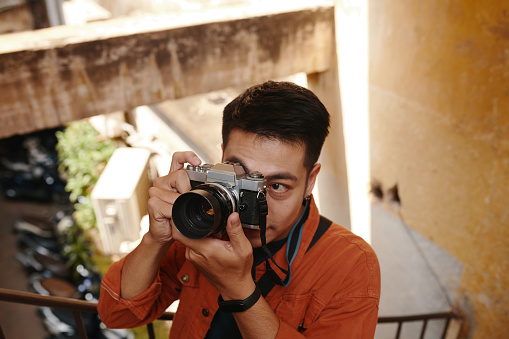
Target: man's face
(282, 164)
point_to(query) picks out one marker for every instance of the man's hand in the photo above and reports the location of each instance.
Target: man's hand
(164, 192)
(225, 263)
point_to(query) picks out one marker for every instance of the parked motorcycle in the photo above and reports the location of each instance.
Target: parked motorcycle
(29, 168)
(49, 274)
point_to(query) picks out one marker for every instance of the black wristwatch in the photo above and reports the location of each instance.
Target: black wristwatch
(239, 305)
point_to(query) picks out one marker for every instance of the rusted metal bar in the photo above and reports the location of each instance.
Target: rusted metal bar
(150, 330)
(80, 325)
(56, 302)
(423, 330)
(398, 332)
(447, 316)
(49, 301)
(417, 317)
(446, 327)
(74, 305)
(78, 306)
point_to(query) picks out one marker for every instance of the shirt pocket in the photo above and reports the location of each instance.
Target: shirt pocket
(292, 310)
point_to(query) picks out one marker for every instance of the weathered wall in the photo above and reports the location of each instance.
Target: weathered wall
(57, 75)
(21, 15)
(16, 19)
(66, 73)
(439, 116)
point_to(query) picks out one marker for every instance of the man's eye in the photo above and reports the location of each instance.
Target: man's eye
(280, 188)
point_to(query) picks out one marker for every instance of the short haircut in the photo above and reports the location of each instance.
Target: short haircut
(282, 111)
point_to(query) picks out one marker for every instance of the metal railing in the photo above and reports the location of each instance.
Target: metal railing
(424, 318)
(76, 306)
(80, 306)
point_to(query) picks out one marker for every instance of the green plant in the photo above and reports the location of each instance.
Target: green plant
(83, 155)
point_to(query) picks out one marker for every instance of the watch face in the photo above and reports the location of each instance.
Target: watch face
(240, 307)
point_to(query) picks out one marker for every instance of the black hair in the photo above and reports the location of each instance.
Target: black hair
(282, 111)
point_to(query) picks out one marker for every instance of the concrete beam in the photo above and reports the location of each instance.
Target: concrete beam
(53, 76)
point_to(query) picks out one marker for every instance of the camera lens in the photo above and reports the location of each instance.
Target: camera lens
(202, 211)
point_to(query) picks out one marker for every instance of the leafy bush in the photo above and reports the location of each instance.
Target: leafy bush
(82, 155)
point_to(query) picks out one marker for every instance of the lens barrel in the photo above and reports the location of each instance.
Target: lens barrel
(203, 210)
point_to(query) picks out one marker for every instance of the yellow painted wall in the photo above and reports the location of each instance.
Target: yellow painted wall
(439, 128)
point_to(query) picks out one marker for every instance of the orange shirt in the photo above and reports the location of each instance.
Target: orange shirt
(334, 291)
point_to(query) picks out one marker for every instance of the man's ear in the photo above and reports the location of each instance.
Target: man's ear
(312, 178)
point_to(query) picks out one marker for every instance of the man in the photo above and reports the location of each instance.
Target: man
(327, 281)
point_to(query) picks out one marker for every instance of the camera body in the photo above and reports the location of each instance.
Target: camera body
(216, 192)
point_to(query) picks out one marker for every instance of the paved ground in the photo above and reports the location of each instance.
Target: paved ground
(418, 277)
(17, 320)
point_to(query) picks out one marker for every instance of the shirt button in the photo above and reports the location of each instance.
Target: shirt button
(205, 312)
(184, 278)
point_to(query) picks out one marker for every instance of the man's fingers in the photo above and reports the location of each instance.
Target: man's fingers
(159, 216)
(158, 207)
(235, 233)
(176, 182)
(180, 181)
(168, 196)
(180, 158)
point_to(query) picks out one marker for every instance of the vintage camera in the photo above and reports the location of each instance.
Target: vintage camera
(217, 191)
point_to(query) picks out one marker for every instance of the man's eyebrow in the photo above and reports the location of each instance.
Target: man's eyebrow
(275, 176)
(281, 176)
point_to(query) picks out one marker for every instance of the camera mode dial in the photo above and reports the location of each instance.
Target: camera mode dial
(255, 175)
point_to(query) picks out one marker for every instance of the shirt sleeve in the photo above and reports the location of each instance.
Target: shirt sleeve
(116, 312)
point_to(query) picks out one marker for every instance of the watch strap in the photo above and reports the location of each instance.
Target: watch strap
(239, 305)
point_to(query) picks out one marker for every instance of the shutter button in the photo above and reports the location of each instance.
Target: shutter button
(205, 312)
(184, 278)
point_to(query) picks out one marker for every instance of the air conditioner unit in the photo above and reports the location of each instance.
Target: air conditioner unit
(120, 198)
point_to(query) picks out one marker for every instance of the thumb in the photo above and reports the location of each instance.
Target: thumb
(234, 229)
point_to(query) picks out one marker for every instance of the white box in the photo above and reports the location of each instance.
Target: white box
(120, 198)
